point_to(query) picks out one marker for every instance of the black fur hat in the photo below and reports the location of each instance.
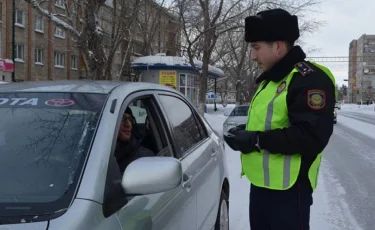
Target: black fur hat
(271, 25)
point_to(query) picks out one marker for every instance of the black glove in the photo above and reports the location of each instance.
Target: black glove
(241, 140)
(230, 137)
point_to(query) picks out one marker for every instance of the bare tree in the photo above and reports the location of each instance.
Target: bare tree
(233, 53)
(123, 14)
(154, 30)
(149, 24)
(368, 92)
(203, 22)
(82, 19)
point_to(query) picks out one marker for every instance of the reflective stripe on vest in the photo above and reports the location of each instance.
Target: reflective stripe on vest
(273, 170)
(266, 153)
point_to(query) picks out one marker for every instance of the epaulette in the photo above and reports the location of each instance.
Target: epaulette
(303, 68)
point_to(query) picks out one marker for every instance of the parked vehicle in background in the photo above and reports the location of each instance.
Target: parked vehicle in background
(338, 105)
(238, 116)
(335, 113)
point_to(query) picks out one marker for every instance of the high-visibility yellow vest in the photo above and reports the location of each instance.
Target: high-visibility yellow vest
(268, 111)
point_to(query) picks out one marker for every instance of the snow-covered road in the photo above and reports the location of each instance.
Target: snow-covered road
(345, 197)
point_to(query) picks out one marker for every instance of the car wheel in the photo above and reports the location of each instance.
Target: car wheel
(222, 219)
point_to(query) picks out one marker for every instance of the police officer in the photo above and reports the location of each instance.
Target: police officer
(290, 122)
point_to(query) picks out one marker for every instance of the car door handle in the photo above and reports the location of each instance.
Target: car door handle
(187, 181)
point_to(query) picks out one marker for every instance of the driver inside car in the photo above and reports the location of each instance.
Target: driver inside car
(129, 146)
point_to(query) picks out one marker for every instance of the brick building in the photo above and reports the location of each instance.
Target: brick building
(362, 69)
(44, 51)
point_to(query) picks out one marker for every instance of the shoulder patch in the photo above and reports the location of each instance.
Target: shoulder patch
(316, 99)
(303, 68)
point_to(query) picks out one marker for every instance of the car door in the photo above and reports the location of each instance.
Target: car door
(199, 151)
(162, 210)
(210, 180)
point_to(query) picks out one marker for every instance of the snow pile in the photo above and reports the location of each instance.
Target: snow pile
(357, 125)
(367, 109)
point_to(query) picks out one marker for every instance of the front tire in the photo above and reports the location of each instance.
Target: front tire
(222, 219)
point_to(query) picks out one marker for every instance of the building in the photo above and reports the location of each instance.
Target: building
(45, 51)
(352, 89)
(6, 65)
(362, 69)
(175, 72)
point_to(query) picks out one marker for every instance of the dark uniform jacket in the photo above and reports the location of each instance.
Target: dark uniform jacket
(311, 125)
(126, 153)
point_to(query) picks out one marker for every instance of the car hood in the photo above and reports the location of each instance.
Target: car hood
(26, 226)
(237, 119)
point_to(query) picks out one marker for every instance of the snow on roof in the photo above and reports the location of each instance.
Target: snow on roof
(159, 61)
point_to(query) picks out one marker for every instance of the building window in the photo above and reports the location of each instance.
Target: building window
(59, 32)
(106, 39)
(74, 63)
(39, 56)
(59, 60)
(106, 13)
(20, 18)
(60, 3)
(118, 70)
(189, 87)
(19, 53)
(39, 26)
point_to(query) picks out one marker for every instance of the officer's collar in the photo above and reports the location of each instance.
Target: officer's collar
(282, 68)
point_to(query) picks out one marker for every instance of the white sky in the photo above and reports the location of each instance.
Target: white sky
(345, 20)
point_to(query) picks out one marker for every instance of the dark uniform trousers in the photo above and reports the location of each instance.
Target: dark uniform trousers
(280, 210)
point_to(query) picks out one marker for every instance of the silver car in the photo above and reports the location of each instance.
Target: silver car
(59, 172)
(335, 113)
(238, 116)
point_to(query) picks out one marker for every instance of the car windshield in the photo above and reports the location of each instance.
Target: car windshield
(239, 111)
(44, 141)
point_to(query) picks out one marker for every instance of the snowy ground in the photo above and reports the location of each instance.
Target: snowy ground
(345, 197)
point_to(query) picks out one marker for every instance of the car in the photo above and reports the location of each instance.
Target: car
(3, 82)
(238, 116)
(335, 113)
(59, 172)
(334, 116)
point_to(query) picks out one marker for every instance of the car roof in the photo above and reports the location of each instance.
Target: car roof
(78, 86)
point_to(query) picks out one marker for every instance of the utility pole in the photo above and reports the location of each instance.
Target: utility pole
(13, 39)
(215, 96)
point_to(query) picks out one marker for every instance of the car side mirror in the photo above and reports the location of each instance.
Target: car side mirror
(149, 175)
